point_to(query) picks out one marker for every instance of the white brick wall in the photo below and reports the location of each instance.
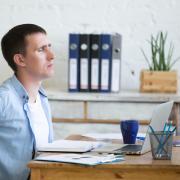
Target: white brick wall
(136, 20)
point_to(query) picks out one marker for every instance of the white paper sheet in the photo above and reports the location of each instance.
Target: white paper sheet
(85, 159)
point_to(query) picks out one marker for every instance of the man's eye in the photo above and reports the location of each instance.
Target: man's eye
(40, 49)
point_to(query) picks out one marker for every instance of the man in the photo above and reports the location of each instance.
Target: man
(25, 119)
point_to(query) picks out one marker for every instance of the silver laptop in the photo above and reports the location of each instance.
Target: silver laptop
(159, 117)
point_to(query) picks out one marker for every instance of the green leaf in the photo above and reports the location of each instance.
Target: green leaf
(147, 60)
(160, 62)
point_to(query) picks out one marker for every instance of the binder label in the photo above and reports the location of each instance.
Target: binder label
(115, 75)
(73, 73)
(84, 73)
(94, 73)
(104, 74)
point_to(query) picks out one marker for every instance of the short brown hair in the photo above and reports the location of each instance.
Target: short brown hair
(14, 41)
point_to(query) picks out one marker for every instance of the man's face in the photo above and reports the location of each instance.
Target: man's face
(39, 58)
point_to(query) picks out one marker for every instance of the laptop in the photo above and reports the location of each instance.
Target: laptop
(159, 117)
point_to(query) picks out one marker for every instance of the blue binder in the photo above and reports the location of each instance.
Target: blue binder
(73, 63)
(106, 57)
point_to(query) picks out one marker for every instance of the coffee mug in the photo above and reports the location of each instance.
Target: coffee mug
(129, 130)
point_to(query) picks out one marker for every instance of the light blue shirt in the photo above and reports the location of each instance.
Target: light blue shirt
(17, 140)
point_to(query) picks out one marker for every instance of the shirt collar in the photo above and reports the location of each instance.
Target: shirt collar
(42, 92)
(21, 90)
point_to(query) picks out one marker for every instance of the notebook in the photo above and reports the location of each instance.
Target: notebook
(159, 117)
(69, 146)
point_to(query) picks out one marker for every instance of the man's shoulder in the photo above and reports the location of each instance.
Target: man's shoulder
(9, 99)
(6, 87)
(7, 91)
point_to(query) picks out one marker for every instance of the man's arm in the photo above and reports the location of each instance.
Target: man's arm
(1, 106)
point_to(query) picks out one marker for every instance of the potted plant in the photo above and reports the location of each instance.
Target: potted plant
(159, 77)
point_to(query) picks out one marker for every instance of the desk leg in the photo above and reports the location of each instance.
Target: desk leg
(35, 174)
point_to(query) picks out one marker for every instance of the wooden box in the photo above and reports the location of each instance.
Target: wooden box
(158, 81)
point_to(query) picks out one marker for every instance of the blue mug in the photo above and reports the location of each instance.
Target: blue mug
(129, 130)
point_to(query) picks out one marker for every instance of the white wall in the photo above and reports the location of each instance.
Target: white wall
(136, 20)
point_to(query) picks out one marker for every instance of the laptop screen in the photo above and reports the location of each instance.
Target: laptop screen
(160, 116)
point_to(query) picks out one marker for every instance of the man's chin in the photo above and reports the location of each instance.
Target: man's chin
(49, 75)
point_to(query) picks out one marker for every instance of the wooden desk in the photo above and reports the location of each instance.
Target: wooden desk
(133, 168)
(136, 167)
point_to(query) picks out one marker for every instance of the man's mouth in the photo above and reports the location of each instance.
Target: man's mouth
(50, 65)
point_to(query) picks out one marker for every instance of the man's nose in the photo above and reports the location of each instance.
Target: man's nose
(50, 54)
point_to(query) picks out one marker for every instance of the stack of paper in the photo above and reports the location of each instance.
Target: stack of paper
(70, 146)
(85, 159)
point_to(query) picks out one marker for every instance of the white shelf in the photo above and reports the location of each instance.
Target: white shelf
(124, 96)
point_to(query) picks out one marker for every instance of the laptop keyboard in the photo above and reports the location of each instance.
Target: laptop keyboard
(131, 148)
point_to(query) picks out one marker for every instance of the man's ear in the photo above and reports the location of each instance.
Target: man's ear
(19, 60)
